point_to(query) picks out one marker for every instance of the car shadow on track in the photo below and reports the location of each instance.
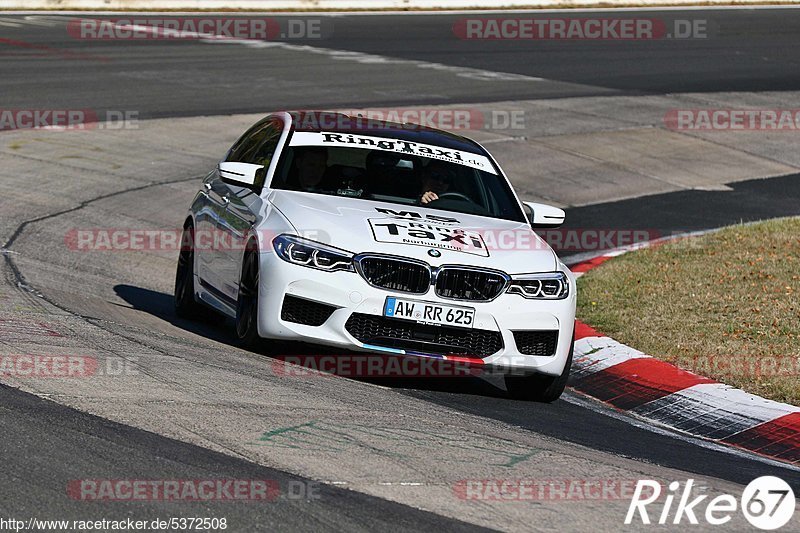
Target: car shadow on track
(220, 329)
(475, 386)
(161, 305)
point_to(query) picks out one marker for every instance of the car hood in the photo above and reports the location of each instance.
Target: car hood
(434, 236)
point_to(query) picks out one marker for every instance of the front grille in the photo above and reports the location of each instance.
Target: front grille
(395, 274)
(302, 311)
(393, 333)
(469, 284)
(542, 343)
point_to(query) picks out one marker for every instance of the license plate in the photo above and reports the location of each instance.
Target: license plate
(429, 313)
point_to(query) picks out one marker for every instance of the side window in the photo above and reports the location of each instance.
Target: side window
(244, 143)
(258, 145)
(266, 149)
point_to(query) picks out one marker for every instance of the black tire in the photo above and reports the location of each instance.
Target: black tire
(540, 387)
(185, 304)
(247, 302)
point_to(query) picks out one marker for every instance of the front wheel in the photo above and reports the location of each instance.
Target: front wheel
(247, 301)
(540, 387)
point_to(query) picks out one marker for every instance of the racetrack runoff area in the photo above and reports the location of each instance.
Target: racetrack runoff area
(734, 318)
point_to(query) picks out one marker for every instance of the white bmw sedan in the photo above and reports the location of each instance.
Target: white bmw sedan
(379, 237)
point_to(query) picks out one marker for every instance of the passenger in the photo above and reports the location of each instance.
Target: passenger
(310, 165)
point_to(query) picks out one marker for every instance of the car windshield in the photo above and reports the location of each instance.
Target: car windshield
(410, 174)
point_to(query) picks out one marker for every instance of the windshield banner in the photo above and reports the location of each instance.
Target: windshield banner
(347, 140)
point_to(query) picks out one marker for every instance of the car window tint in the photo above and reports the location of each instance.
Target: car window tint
(258, 145)
(398, 178)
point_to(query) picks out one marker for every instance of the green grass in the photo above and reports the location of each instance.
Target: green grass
(725, 305)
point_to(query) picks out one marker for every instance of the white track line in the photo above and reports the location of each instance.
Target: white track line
(344, 55)
(373, 59)
(38, 21)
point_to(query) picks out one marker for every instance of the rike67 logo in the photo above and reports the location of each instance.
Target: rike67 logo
(767, 503)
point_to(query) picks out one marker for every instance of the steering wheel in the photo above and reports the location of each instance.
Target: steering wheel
(458, 195)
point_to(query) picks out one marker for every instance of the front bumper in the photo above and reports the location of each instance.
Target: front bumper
(350, 293)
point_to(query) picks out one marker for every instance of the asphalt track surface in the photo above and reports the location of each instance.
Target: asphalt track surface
(752, 50)
(745, 50)
(60, 443)
(687, 211)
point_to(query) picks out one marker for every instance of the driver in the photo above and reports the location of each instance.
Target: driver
(437, 178)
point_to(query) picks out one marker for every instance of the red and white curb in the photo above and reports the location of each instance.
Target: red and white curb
(666, 395)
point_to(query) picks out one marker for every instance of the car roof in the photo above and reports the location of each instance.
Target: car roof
(335, 122)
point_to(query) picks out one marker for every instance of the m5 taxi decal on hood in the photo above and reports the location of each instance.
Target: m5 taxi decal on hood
(411, 228)
(426, 234)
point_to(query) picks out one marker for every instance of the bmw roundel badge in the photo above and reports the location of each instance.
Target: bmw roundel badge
(434, 253)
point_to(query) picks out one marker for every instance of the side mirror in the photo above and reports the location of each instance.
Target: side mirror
(544, 216)
(242, 174)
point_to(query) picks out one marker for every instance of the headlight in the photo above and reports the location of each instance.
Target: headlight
(547, 286)
(312, 254)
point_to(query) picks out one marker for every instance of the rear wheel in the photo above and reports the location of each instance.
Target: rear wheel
(247, 302)
(185, 304)
(540, 387)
